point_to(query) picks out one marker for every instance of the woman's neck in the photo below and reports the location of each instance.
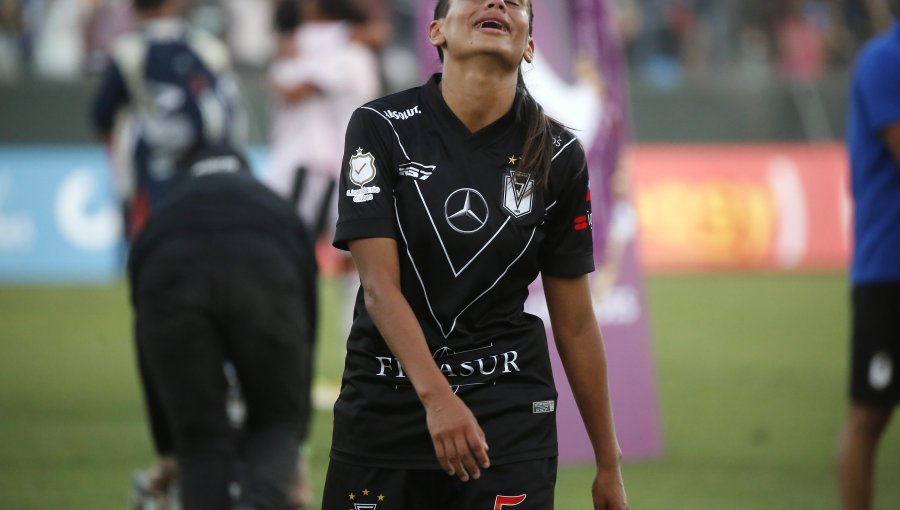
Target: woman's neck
(478, 94)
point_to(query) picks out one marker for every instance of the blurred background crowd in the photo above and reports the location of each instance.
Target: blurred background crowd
(795, 54)
(669, 43)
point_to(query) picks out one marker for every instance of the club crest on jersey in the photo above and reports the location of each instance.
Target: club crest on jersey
(362, 171)
(518, 192)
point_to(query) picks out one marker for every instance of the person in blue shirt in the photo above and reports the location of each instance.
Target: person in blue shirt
(873, 140)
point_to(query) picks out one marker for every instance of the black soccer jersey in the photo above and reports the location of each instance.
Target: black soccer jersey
(472, 231)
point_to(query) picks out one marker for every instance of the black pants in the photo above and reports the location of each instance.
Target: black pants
(202, 299)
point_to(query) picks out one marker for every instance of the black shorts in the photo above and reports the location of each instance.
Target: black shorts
(874, 378)
(527, 485)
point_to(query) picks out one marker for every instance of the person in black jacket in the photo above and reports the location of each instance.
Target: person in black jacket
(224, 271)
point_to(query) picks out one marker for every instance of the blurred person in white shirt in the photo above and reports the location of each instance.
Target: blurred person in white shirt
(326, 66)
(322, 73)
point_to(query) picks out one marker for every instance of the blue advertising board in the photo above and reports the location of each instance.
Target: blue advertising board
(59, 220)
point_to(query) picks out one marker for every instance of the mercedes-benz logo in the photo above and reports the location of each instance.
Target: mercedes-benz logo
(466, 211)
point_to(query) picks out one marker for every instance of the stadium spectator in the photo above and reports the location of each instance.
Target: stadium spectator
(873, 140)
(325, 68)
(10, 27)
(248, 34)
(322, 74)
(167, 89)
(59, 49)
(225, 272)
(106, 21)
(800, 34)
(454, 196)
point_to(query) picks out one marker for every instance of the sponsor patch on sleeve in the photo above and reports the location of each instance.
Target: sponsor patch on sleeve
(362, 171)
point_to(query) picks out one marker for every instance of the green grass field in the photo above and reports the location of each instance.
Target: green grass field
(751, 372)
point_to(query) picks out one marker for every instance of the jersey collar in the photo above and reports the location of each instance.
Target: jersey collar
(451, 123)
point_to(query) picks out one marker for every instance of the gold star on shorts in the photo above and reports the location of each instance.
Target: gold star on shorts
(513, 160)
(365, 492)
(381, 497)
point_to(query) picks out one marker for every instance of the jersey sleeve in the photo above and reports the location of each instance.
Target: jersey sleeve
(366, 187)
(877, 80)
(568, 248)
(110, 96)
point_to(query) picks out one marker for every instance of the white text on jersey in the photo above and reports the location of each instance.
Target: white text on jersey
(391, 114)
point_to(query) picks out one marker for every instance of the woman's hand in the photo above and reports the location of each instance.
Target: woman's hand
(458, 439)
(608, 490)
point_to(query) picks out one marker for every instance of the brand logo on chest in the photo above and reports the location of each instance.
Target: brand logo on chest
(466, 211)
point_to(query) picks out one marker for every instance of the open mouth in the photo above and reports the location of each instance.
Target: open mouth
(492, 25)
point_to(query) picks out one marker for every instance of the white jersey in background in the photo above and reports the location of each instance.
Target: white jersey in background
(309, 133)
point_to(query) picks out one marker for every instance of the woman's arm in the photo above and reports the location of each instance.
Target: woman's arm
(580, 347)
(459, 442)
(294, 93)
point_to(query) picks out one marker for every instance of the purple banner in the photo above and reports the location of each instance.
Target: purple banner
(578, 77)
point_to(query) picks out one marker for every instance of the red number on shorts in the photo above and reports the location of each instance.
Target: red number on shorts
(503, 501)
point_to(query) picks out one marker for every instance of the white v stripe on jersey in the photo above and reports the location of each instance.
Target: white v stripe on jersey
(392, 129)
(456, 272)
(563, 148)
(446, 332)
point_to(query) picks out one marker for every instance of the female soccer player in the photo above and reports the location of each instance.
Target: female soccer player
(454, 196)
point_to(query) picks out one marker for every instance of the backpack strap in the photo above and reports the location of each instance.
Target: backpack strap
(130, 55)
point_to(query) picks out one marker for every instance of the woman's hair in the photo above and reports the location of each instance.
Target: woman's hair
(345, 10)
(147, 5)
(287, 16)
(537, 152)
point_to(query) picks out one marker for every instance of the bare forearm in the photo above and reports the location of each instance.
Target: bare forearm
(585, 364)
(401, 331)
(891, 138)
(580, 346)
(458, 440)
(296, 93)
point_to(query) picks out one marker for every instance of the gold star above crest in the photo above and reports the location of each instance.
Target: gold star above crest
(513, 159)
(352, 496)
(365, 492)
(381, 497)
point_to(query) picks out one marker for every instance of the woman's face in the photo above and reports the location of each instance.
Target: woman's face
(497, 27)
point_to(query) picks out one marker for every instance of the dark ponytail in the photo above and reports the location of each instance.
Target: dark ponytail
(537, 152)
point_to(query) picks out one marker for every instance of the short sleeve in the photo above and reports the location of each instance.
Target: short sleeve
(567, 249)
(366, 191)
(878, 77)
(110, 96)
